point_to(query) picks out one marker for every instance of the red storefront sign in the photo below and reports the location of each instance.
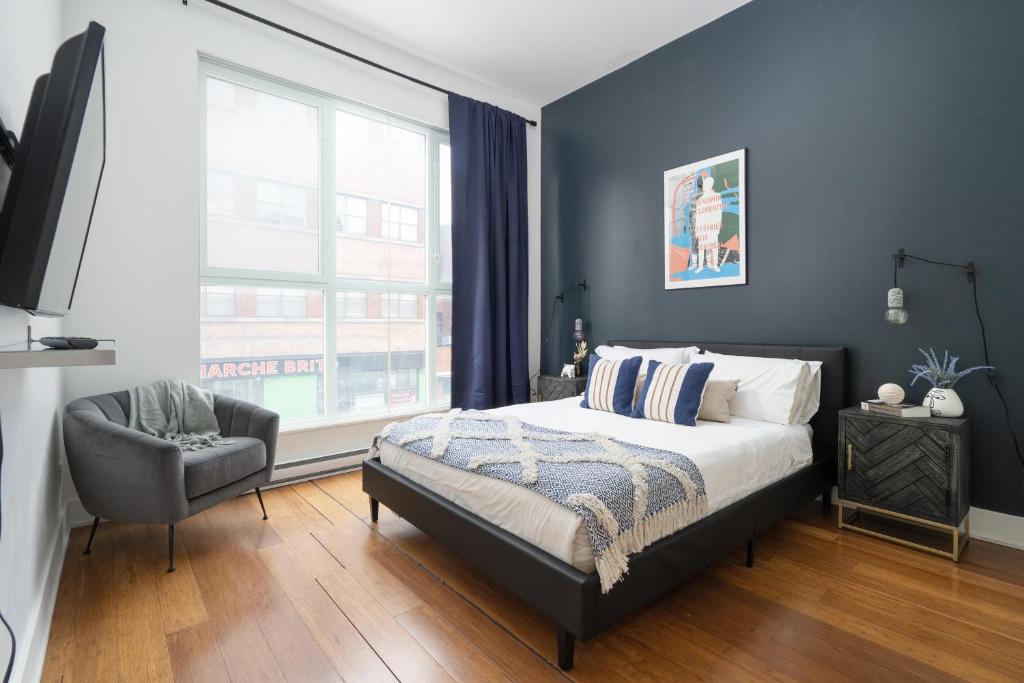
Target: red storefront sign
(261, 367)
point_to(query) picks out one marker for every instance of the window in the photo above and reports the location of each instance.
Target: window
(402, 223)
(262, 178)
(281, 204)
(351, 305)
(281, 303)
(218, 301)
(403, 306)
(220, 193)
(353, 322)
(350, 214)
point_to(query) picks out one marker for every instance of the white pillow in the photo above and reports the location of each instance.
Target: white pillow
(674, 356)
(811, 400)
(770, 389)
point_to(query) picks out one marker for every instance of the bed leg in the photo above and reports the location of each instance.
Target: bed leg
(374, 509)
(826, 501)
(566, 647)
(750, 553)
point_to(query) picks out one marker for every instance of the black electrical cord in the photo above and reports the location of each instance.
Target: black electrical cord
(969, 269)
(551, 321)
(559, 299)
(14, 641)
(992, 375)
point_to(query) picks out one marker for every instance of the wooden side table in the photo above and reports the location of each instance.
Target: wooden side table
(914, 470)
(553, 387)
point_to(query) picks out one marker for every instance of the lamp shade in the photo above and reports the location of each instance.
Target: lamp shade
(578, 330)
(895, 314)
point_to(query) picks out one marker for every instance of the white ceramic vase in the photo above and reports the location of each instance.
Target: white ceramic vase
(944, 403)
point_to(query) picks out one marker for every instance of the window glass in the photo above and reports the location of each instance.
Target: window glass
(443, 350)
(445, 214)
(350, 215)
(262, 160)
(220, 194)
(266, 278)
(218, 301)
(351, 305)
(385, 166)
(259, 354)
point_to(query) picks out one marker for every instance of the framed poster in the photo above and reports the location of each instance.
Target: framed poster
(705, 223)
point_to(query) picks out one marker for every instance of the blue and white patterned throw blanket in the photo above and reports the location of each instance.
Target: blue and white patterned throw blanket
(628, 495)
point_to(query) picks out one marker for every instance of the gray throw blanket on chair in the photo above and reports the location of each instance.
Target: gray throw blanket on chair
(175, 411)
(628, 495)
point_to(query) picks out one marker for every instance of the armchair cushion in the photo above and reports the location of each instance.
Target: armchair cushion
(211, 468)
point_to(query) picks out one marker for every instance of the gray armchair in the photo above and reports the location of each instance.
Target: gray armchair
(127, 476)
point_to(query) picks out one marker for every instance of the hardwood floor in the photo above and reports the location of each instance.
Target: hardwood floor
(318, 594)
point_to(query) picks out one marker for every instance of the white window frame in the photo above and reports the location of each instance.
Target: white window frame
(326, 279)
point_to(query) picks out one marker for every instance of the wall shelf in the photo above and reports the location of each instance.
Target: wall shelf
(52, 358)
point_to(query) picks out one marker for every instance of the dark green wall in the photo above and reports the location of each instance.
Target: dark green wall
(869, 125)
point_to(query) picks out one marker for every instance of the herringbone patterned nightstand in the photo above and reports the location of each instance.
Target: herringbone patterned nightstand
(553, 387)
(909, 469)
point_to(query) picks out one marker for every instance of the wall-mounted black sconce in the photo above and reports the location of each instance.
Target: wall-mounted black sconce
(896, 314)
(560, 299)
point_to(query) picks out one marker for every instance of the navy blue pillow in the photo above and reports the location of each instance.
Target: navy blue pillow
(673, 393)
(610, 384)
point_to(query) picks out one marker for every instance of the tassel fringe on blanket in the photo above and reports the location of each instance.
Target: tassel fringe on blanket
(628, 495)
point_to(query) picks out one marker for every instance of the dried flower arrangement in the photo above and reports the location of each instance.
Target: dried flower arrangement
(580, 357)
(942, 375)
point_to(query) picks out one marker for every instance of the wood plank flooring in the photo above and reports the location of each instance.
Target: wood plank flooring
(317, 593)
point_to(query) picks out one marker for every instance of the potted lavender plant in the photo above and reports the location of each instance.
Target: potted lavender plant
(942, 398)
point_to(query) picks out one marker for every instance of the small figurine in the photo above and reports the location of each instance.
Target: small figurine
(568, 370)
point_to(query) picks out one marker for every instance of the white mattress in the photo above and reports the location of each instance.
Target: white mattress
(735, 459)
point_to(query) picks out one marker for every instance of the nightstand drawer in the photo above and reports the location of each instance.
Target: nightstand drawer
(898, 466)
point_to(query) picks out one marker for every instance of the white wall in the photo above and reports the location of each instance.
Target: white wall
(140, 276)
(34, 534)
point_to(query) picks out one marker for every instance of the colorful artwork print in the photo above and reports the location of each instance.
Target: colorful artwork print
(705, 223)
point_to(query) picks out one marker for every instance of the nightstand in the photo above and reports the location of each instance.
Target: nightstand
(553, 387)
(899, 473)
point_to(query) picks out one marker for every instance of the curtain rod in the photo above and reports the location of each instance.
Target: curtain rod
(327, 46)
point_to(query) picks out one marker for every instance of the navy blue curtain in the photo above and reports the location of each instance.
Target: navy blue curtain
(489, 270)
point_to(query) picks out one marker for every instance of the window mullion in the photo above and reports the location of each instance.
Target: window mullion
(433, 265)
(328, 258)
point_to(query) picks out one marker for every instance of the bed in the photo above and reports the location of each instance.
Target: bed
(537, 549)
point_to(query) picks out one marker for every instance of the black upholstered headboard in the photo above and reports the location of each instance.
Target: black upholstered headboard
(833, 379)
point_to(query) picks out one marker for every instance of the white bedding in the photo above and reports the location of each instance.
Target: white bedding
(735, 458)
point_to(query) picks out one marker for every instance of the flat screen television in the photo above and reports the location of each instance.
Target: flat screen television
(55, 177)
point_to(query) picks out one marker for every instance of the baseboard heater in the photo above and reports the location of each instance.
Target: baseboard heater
(318, 466)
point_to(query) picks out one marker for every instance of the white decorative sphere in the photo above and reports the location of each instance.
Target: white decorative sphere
(891, 393)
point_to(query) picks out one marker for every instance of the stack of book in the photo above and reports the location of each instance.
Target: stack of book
(895, 410)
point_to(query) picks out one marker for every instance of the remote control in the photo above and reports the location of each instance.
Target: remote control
(65, 343)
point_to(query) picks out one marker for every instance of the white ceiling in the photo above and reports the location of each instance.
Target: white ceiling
(537, 50)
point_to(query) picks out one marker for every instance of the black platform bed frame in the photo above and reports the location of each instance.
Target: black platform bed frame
(572, 598)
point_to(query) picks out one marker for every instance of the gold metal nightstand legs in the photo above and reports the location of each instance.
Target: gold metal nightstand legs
(959, 538)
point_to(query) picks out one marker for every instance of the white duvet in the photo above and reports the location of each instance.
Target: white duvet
(735, 459)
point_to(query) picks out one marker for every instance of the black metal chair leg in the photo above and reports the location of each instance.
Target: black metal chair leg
(262, 506)
(566, 649)
(374, 509)
(826, 501)
(92, 534)
(170, 548)
(750, 553)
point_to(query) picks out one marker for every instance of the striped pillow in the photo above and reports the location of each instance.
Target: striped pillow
(610, 384)
(673, 393)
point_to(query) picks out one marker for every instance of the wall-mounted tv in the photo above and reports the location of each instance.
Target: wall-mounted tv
(55, 177)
